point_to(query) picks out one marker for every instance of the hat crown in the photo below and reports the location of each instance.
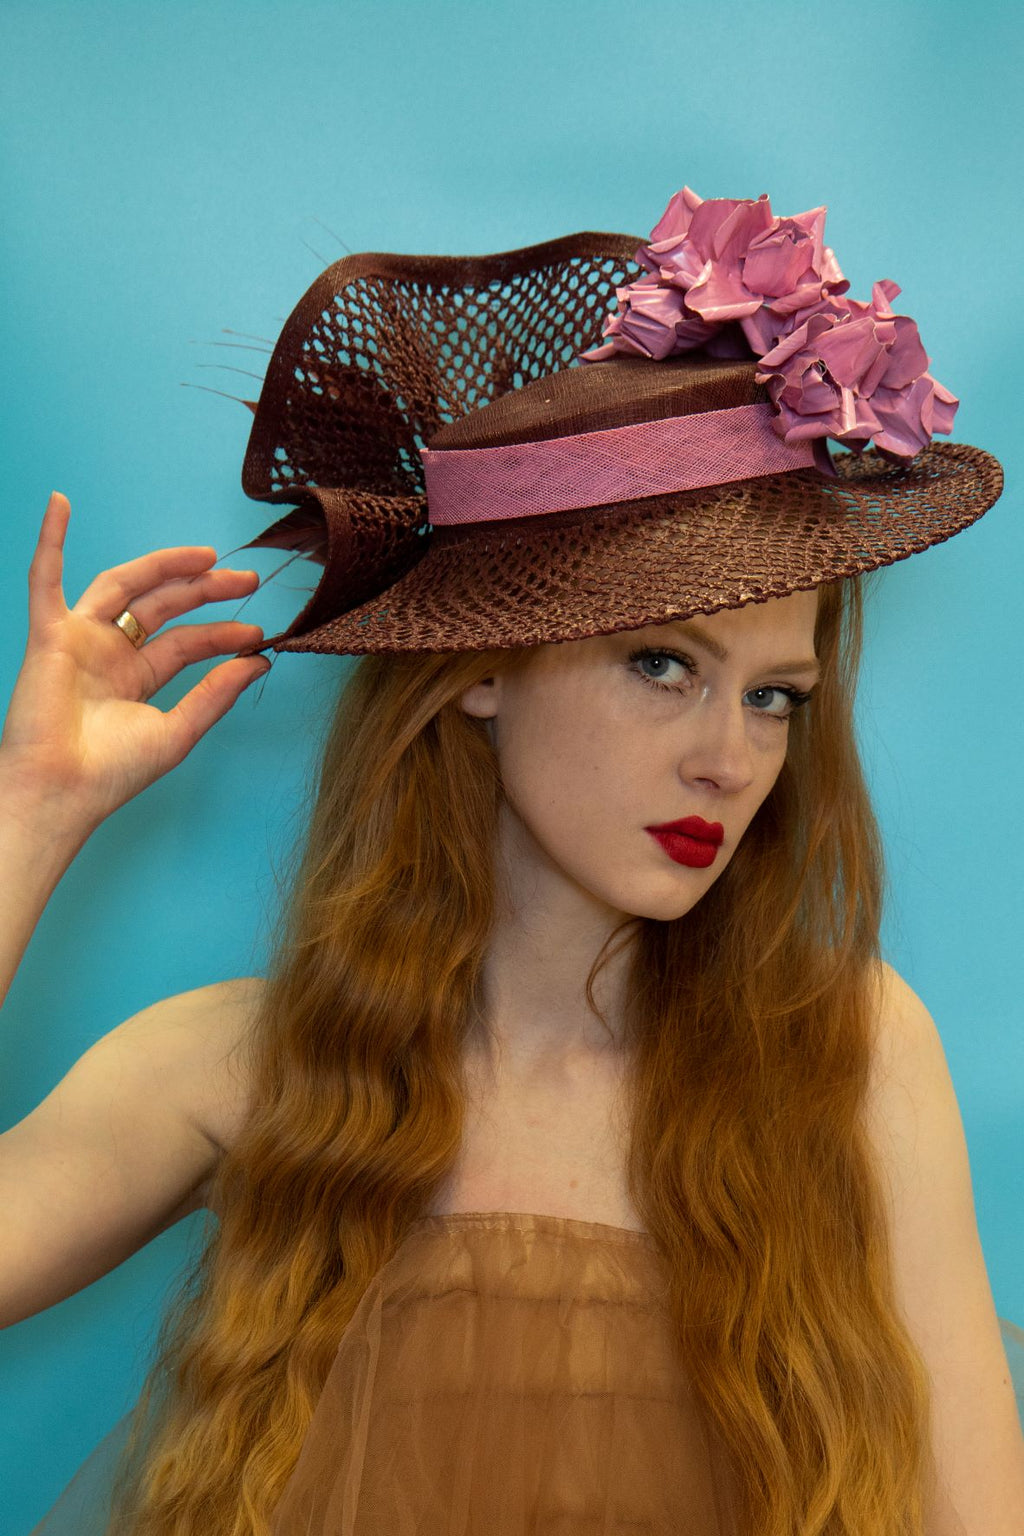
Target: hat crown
(623, 391)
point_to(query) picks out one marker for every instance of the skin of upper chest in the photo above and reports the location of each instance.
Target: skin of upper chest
(552, 1142)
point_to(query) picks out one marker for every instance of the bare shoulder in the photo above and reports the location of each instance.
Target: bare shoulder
(900, 1010)
(903, 1028)
(194, 1045)
(940, 1277)
(912, 1105)
(125, 1144)
(911, 1109)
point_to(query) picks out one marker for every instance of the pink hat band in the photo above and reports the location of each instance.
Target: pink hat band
(593, 469)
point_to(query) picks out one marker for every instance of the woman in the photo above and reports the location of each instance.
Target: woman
(578, 1166)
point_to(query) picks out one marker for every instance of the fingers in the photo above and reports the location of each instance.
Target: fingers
(208, 701)
(46, 572)
(116, 589)
(177, 597)
(178, 648)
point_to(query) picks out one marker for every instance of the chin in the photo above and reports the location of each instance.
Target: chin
(671, 908)
(664, 906)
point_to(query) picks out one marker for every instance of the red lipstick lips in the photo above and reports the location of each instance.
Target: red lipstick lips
(691, 841)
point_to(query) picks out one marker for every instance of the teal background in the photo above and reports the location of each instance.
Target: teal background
(172, 170)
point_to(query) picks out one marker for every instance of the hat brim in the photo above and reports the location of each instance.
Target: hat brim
(564, 576)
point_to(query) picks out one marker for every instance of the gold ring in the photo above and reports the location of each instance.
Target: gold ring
(129, 624)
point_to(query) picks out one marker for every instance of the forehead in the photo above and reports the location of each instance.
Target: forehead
(790, 617)
(786, 622)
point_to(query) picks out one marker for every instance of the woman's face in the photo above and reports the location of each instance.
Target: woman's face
(602, 738)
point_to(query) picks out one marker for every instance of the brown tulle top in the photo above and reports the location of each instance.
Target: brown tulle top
(509, 1374)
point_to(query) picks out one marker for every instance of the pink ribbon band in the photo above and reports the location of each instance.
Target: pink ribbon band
(591, 469)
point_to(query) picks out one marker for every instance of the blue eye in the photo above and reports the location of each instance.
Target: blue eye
(785, 701)
(776, 701)
(647, 653)
(769, 701)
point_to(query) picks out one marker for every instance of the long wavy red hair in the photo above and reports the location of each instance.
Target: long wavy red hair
(750, 1029)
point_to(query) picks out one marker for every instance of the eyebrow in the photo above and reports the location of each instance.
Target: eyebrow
(700, 637)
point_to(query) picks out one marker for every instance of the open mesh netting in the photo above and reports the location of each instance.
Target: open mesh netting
(648, 562)
(381, 352)
(386, 354)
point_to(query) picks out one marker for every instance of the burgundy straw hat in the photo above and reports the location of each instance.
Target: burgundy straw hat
(468, 480)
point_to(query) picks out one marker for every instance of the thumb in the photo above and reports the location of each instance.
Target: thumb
(210, 700)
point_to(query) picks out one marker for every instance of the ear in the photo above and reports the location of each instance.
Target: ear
(481, 698)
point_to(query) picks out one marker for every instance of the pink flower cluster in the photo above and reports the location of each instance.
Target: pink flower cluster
(727, 276)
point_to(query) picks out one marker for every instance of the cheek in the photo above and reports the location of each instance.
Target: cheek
(770, 758)
(774, 757)
(568, 775)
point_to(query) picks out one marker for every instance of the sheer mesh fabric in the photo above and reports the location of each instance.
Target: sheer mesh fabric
(510, 1375)
(511, 1372)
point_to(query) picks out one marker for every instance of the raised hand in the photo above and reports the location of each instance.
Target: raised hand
(79, 727)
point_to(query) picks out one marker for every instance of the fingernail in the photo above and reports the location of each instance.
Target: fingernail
(259, 672)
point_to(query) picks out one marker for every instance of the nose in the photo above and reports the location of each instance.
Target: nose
(718, 751)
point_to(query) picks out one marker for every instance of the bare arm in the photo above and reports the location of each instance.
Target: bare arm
(123, 1146)
(34, 853)
(941, 1280)
(125, 1142)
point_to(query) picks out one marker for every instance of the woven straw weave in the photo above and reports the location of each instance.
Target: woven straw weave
(386, 354)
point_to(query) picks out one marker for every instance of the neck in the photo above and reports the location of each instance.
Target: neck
(547, 934)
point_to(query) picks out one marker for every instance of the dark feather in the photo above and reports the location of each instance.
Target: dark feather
(302, 530)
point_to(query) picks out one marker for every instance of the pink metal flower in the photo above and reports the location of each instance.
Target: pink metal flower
(729, 277)
(856, 372)
(653, 322)
(718, 260)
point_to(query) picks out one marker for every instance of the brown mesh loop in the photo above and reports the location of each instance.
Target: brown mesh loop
(379, 353)
(361, 540)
